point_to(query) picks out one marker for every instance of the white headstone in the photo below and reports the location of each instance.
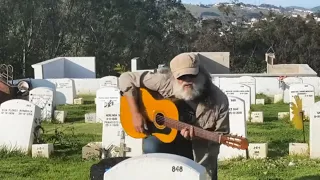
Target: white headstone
(238, 126)
(251, 82)
(260, 101)
(65, 91)
(314, 131)
(43, 97)
(108, 81)
(134, 64)
(306, 94)
(106, 97)
(112, 132)
(90, 118)
(241, 91)
(258, 150)
(157, 166)
(277, 98)
(18, 119)
(257, 116)
(288, 82)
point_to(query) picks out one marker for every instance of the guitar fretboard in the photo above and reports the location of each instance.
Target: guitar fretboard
(211, 136)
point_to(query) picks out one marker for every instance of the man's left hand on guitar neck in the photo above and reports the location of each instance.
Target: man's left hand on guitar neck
(188, 133)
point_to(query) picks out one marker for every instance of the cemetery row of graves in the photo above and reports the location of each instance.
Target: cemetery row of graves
(71, 142)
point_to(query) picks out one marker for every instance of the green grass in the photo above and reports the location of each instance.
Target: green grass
(66, 162)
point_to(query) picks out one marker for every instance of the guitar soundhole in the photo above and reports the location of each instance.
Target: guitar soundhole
(160, 119)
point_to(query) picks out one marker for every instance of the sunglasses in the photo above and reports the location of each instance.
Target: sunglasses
(187, 76)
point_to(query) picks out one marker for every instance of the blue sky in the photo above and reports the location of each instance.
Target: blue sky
(284, 3)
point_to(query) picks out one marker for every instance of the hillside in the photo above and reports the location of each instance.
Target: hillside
(213, 11)
(315, 9)
(198, 11)
(296, 7)
(246, 10)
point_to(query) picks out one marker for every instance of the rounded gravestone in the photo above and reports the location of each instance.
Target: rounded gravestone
(108, 81)
(18, 119)
(251, 82)
(157, 166)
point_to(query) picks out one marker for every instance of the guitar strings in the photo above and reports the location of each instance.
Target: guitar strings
(161, 120)
(217, 137)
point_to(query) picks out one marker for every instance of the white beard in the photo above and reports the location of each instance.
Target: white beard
(192, 93)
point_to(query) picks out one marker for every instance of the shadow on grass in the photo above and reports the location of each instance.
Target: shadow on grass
(279, 148)
(270, 118)
(88, 102)
(74, 119)
(314, 177)
(67, 150)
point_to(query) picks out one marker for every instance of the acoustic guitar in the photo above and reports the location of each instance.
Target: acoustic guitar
(163, 121)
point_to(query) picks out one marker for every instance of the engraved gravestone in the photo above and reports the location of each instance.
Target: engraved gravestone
(241, 91)
(257, 116)
(108, 81)
(43, 97)
(106, 97)
(314, 131)
(237, 126)
(251, 82)
(65, 92)
(159, 166)
(18, 119)
(287, 83)
(258, 150)
(306, 94)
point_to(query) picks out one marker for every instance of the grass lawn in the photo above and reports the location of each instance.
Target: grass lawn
(66, 163)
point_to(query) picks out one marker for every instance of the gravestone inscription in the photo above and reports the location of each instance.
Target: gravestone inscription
(43, 97)
(159, 166)
(18, 119)
(305, 93)
(240, 91)
(108, 81)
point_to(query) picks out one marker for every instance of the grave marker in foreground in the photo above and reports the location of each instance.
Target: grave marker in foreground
(157, 166)
(18, 119)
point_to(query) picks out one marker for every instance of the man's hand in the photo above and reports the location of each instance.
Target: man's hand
(138, 122)
(187, 133)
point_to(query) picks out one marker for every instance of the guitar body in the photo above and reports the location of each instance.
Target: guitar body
(152, 109)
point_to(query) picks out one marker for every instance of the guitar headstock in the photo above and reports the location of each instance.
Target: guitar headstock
(235, 141)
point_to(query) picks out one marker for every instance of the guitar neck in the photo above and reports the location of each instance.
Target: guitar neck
(198, 132)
